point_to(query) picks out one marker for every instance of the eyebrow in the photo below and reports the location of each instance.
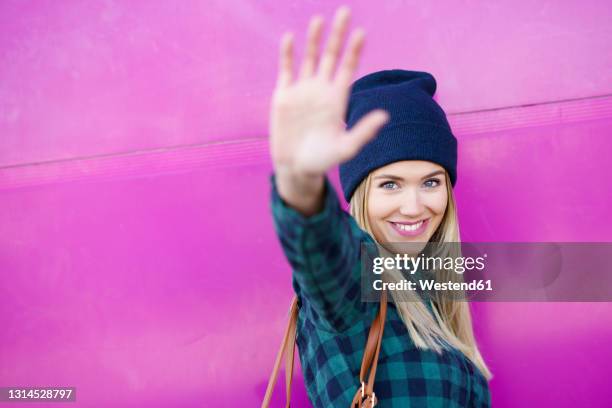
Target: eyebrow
(392, 177)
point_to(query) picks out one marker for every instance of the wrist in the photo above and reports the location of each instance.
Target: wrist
(304, 192)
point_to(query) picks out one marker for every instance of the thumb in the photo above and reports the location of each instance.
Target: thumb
(361, 133)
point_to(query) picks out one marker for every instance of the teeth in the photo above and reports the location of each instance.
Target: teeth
(413, 227)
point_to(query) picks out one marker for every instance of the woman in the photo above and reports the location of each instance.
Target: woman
(397, 160)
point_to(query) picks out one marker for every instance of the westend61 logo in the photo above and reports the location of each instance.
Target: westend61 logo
(424, 268)
(422, 263)
(412, 264)
(488, 271)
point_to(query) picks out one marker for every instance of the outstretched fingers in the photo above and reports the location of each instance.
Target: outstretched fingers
(361, 133)
(349, 64)
(334, 44)
(285, 69)
(312, 47)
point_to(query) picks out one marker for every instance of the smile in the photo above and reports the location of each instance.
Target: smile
(413, 229)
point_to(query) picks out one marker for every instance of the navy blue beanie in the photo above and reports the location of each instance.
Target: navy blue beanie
(417, 128)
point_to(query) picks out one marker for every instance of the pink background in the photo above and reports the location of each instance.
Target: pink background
(138, 258)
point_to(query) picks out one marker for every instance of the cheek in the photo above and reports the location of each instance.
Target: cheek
(379, 207)
(437, 203)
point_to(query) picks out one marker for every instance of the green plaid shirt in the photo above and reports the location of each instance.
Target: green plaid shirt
(333, 322)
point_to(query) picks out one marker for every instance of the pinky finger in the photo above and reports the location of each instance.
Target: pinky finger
(361, 133)
(285, 69)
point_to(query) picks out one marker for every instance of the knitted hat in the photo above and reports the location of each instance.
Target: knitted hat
(417, 128)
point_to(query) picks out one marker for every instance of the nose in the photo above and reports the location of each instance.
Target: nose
(412, 205)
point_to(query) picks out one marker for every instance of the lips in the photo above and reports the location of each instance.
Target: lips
(410, 229)
(407, 222)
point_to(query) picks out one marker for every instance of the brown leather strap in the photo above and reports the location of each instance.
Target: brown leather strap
(291, 352)
(364, 397)
(381, 317)
(290, 332)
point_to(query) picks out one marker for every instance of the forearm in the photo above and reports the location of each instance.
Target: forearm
(324, 252)
(302, 192)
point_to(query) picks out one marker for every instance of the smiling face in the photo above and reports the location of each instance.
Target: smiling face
(406, 201)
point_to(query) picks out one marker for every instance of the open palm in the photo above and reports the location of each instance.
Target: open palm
(307, 131)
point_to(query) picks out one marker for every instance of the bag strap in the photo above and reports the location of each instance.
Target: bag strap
(288, 340)
(364, 397)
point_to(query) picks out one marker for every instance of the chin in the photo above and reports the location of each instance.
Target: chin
(408, 247)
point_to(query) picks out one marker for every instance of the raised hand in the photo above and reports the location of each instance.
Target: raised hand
(307, 132)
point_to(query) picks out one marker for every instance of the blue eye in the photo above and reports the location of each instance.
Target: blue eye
(435, 180)
(388, 185)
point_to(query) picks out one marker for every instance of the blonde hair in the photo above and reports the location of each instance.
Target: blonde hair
(451, 321)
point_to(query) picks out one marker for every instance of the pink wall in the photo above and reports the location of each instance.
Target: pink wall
(137, 254)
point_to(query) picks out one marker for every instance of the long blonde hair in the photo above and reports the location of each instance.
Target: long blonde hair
(451, 321)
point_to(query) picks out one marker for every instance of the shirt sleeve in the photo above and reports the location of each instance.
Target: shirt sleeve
(324, 252)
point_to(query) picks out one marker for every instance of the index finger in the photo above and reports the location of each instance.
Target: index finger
(349, 63)
(285, 68)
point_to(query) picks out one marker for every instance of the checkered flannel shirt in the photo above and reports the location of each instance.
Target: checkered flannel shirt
(333, 322)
